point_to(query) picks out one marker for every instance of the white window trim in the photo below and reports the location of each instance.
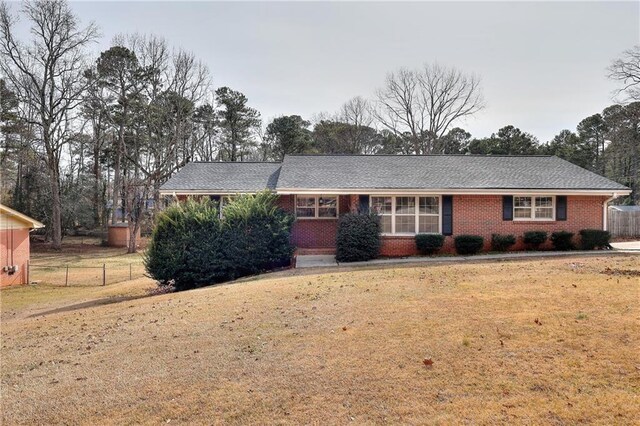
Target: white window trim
(317, 207)
(417, 214)
(532, 218)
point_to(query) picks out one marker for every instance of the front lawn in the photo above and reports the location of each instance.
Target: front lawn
(535, 341)
(85, 258)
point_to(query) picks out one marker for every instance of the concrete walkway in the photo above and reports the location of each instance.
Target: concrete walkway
(321, 261)
(627, 245)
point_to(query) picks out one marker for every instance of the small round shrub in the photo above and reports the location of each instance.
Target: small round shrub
(534, 239)
(358, 237)
(562, 240)
(429, 243)
(502, 242)
(591, 239)
(468, 244)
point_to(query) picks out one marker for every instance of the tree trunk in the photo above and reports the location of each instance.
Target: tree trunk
(116, 176)
(97, 176)
(56, 206)
(134, 225)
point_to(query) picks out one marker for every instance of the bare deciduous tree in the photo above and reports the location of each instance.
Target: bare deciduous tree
(423, 104)
(357, 113)
(46, 75)
(627, 71)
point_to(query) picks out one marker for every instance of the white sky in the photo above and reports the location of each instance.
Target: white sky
(543, 65)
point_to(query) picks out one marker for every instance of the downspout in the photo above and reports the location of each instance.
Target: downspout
(605, 211)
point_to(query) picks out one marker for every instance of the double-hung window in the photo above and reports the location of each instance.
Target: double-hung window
(533, 208)
(407, 215)
(316, 206)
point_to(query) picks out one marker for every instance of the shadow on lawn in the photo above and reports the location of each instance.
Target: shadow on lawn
(91, 304)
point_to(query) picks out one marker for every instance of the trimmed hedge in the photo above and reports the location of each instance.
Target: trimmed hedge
(191, 246)
(429, 243)
(594, 238)
(358, 237)
(562, 240)
(502, 242)
(468, 244)
(534, 239)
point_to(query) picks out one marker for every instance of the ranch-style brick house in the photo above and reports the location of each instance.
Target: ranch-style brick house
(447, 194)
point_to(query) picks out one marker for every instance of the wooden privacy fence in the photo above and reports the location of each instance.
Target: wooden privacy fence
(624, 223)
(71, 275)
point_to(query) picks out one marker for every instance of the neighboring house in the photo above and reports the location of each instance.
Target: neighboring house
(14, 246)
(447, 194)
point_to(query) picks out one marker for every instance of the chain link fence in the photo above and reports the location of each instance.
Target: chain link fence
(70, 275)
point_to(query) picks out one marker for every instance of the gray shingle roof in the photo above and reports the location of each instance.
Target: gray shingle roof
(437, 172)
(357, 172)
(224, 177)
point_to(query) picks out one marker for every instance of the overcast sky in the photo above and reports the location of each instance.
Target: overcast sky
(542, 64)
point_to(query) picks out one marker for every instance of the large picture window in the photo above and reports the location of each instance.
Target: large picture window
(316, 206)
(533, 208)
(407, 215)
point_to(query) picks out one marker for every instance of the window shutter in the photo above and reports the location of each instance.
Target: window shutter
(561, 207)
(447, 215)
(363, 206)
(507, 207)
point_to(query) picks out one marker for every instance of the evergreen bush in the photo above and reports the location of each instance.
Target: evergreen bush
(191, 246)
(562, 240)
(502, 242)
(594, 238)
(429, 243)
(534, 239)
(468, 244)
(358, 237)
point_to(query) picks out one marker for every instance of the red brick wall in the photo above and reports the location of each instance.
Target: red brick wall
(472, 214)
(18, 246)
(482, 215)
(314, 233)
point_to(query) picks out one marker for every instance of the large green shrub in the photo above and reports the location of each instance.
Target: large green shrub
(502, 242)
(358, 237)
(468, 244)
(191, 246)
(594, 238)
(534, 239)
(562, 240)
(429, 243)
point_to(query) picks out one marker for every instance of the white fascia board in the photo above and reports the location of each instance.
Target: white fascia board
(203, 192)
(386, 191)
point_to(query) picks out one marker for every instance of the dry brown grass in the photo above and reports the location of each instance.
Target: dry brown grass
(85, 258)
(546, 341)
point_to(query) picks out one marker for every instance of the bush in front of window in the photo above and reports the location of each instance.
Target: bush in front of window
(191, 246)
(534, 239)
(502, 242)
(591, 239)
(429, 243)
(562, 240)
(358, 237)
(468, 244)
